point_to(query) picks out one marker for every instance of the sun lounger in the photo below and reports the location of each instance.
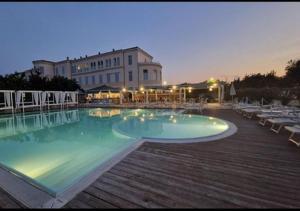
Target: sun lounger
(265, 115)
(294, 130)
(282, 122)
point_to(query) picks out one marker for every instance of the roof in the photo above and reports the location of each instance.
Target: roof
(95, 55)
(44, 61)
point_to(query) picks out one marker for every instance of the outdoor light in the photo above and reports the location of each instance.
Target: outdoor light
(142, 89)
(164, 83)
(210, 89)
(190, 89)
(125, 118)
(174, 87)
(171, 90)
(124, 90)
(151, 90)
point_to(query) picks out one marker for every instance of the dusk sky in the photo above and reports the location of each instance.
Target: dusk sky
(192, 41)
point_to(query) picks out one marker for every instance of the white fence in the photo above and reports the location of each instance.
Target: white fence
(36, 99)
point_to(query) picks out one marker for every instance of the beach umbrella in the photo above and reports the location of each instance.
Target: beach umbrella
(232, 91)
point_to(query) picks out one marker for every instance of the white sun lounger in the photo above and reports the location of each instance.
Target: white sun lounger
(282, 122)
(294, 130)
(264, 116)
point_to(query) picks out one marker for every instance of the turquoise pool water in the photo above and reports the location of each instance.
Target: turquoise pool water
(56, 149)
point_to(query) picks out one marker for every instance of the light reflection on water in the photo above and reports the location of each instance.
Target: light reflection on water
(57, 148)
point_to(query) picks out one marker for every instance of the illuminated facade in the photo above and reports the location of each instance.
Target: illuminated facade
(125, 68)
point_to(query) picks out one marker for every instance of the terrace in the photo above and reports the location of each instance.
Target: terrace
(252, 168)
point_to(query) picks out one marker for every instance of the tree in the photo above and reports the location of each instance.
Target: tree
(59, 83)
(14, 81)
(17, 81)
(292, 75)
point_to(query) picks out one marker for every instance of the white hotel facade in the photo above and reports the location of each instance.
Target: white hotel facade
(129, 68)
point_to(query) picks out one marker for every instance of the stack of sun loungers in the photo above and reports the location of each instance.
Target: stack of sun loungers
(277, 116)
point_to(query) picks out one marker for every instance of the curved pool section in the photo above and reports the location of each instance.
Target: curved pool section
(173, 127)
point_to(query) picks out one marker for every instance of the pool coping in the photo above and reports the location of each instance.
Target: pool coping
(35, 197)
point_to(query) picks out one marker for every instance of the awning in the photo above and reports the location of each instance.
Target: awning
(103, 88)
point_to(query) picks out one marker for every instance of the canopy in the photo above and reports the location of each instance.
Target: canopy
(103, 88)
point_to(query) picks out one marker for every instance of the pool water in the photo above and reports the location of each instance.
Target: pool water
(55, 149)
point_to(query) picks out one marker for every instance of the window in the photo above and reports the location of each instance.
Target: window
(109, 62)
(98, 64)
(86, 80)
(129, 60)
(145, 75)
(106, 62)
(130, 75)
(63, 71)
(118, 61)
(100, 79)
(115, 61)
(93, 79)
(73, 68)
(117, 78)
(101, 64)
(156, 75)
(108, 77)
(56, 71)
(79, 80)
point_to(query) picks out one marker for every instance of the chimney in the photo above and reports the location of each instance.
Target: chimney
(81, 57)
(85, 56)
(67, 58)
(74, 58)
(113, 50)
(99, 53)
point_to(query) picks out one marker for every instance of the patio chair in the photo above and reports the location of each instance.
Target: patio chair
(294, 130)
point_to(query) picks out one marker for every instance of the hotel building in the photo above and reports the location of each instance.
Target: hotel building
(129, 68)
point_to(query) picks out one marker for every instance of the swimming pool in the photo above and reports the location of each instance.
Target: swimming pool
(53, 150)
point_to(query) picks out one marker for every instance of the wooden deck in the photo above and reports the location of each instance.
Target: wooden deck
(253, 168)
